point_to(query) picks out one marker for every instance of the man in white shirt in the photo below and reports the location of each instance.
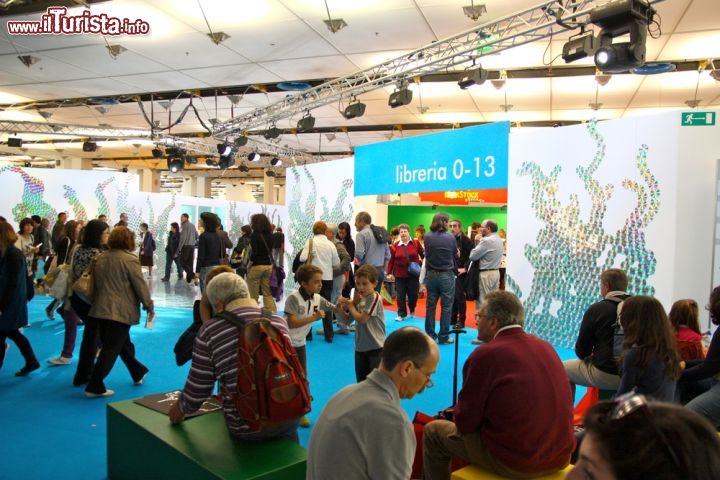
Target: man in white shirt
(321, 252)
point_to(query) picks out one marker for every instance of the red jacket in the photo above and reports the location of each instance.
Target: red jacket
(517, 396)
(401, 256)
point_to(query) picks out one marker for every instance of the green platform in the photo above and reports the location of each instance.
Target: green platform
(141, 443)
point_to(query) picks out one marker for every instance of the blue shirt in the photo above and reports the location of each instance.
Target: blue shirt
(440, 250)
(368, 250)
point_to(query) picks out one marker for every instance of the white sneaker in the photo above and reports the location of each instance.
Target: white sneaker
(60, 361)
(106, 393)
(400, 319)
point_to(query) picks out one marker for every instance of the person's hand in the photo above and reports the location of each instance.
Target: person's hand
(461, 271)
(176, 415)
(682, 365)
(356, 298)
(389, 278)
(423, 288)
(318, 314)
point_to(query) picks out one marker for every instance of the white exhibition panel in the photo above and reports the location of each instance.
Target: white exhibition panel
(613, 194)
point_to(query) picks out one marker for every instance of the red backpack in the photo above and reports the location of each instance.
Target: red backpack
(271, 385)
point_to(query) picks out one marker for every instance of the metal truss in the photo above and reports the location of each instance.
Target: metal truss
(465, 48)
(117, 133)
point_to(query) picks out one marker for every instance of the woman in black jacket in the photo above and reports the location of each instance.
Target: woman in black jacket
(171, 252)
(258, 278)
(211, 248)
(345, 235)
(13, 299)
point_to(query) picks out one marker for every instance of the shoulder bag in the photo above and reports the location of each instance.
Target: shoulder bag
(84, 287)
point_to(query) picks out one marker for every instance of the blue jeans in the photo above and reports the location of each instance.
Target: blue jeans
(708, 404)
(169, 260)
(439, 284)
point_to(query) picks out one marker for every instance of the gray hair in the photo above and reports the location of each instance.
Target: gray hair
(505, 308)
(225, 288)
(333, 228)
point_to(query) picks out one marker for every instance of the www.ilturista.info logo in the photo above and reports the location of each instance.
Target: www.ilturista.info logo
(57, 22)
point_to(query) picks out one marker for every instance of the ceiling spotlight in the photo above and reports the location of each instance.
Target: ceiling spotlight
(274, 161)
(224, 149)
(102, 109)
(474, 12)
(115, 50)
(175, 164)
(218, 37)
(191, 160)
(89, 146)
(235, 99)
(226, 161)
(210, 162)
(157, 153)
(269, 173)
(241, 141)
(45, 114)
(401, 96)
(602, 79)
(306, 123)
(124, 169)
(579, 46)
(254, 157)
(354, 110)
(617, 19)
(244, 168)
(473, 77)
(14, 142)
(28, 60)
(272, 132)
(28, 164)
(335, 24)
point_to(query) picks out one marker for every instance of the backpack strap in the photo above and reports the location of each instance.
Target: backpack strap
(239, 322)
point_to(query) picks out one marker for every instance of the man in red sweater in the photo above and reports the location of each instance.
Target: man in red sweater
(514, 412)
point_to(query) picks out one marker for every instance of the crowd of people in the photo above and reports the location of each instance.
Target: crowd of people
(514, 412)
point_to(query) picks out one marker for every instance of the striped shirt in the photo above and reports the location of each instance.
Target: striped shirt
(215, 358)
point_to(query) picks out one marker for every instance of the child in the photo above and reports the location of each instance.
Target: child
(302, 308)
(650, 363)
(685, 320)
(366, 308)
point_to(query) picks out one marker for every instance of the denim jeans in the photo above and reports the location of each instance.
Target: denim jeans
(169, 260)
(442, 285)
(708, 404)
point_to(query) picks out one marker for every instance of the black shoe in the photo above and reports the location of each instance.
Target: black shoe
(30, 367)
(165, 279)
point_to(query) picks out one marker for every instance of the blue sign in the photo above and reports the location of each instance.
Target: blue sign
(471, 158)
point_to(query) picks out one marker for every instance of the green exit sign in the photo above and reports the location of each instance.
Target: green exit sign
(696, 119)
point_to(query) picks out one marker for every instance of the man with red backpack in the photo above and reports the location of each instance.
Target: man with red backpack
(238, 342)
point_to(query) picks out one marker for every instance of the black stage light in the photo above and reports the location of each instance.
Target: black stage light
(191, 160)
(28, 164)
(157, 153)
(244, 168)
(241, 141)
(226, 161)
(124, 170)
(254, 157)
(306, 123)
(89, 146)
(272, 132)
(210, 162)
(14, 142)
(579, 46)
(473, 77)
(354, 110)
(274, 161)
(175, 164)
(224, 149)
(269, 173)
(400, 97)
(617, 19)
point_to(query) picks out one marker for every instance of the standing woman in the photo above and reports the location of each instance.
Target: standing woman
(13, 299)
(649, 363)
(440, 250)
(147, 248)
(119, 289)
(26, 243)
(258, 278)
(345, 236)
(94, 242)
(403, 253)
(171, 252)
(65, 244)
(211, 248)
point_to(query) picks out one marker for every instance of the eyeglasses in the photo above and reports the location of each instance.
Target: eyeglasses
(632, 402)
(428, 381)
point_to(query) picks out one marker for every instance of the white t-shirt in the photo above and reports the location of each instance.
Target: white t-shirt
(324, 253)
(296, 305)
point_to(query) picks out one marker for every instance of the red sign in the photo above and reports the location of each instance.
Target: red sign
(465, 197)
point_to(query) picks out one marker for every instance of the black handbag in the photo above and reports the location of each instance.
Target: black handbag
(184, 346)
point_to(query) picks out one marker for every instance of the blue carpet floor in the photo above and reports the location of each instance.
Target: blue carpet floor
(49, 430)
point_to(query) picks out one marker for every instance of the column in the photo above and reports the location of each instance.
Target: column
(269, 194)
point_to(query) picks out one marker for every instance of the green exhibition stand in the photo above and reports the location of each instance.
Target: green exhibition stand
(141, 443)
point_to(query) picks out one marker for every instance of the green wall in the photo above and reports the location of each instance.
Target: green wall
(414, 215)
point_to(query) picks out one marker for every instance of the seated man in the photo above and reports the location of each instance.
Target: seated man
(514, 413)
(215, 358)
(363, 432)
(597, 365)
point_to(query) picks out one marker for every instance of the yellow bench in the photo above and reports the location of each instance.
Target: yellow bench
(474, 473)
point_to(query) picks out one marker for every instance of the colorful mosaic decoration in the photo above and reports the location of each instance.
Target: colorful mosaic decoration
(32, 202)
(303, 209)
(570, 252)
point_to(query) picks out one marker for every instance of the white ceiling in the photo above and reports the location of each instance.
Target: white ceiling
(276, 40)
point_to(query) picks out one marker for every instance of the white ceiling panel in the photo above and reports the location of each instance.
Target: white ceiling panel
(370, 60)
(47, 69)
(697, 46)
(310, 68)
(41, 91)
(158, 82)
(402, 29)
(578, 92)
(185, 49)
(7, 78)
(284, 40)
(95, 87)
(451, 117)
(586, 114)
(345, 9)
(224, 14)
(97, 59)
(232, 75)
(702, 15)
(163, 23)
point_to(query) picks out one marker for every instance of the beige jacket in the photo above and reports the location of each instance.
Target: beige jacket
(119, 288)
